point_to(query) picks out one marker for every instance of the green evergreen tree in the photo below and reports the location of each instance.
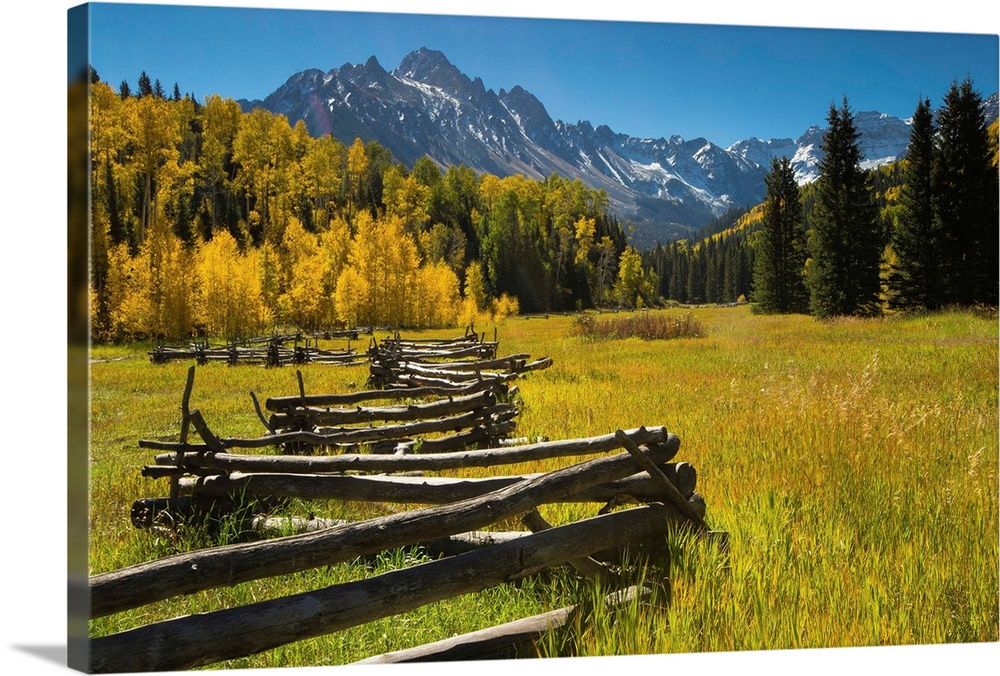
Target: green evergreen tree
(145, 85)
(124, 91)
(914, 281)
(780, 245)
(845, 239)
(965, 199)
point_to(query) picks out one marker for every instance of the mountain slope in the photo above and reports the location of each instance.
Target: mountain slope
(668, 186)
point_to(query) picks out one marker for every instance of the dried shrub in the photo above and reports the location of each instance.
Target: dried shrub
(644, 325)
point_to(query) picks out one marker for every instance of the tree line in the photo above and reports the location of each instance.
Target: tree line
(918, 234)
(207, 220)
(210, 221)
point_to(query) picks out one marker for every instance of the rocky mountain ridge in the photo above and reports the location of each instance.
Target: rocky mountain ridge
(667, 186)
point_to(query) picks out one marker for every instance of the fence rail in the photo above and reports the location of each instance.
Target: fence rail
(375, 446)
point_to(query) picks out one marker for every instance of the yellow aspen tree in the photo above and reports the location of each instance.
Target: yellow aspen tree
(385, 259)
(322, 175)
(220, 122)
(351, 298)
(585, 230)
(334, 245)
(155, 135)
(300, 274)
(231, 295)
(110, 150)
(262, 148)
(125, 290)
(438, 299)
(475, 302)
(406, 198)
(357, 171)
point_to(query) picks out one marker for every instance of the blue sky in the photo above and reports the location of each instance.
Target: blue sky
(639, 76)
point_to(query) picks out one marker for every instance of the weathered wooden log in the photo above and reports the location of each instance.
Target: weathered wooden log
(352, 398)
(207, 638)
(323, 436)
(402, 489)
(509, 363)
(231, 564)
(414, 380)
(411, 342)
(459, 543)
(432, 462)
(305, 418)
(537, 365)
(455, 376)
(467, 346)
(155, 445)
(505, 641)
(584, 565)
(489, 433)
(674, 495)
(479, 350)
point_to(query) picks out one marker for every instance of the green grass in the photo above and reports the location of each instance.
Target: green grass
(853, 462)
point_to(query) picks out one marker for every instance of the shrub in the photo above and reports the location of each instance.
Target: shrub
(644, 325)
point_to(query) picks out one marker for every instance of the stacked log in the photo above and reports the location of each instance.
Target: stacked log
(431, 419)
(453, 363)
(206, 638)
(378, 444)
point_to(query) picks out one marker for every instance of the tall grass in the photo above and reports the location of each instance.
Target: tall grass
(853, 462)
(644, 325)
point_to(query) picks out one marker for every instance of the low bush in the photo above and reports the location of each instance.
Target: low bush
(644, 325)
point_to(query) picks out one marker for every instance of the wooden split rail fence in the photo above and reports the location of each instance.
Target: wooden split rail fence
(270, 351)
(452, 362)
(639, 491)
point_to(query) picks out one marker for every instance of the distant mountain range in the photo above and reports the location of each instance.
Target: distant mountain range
(668, 187)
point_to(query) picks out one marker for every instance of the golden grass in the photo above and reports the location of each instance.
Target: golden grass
(853, 462)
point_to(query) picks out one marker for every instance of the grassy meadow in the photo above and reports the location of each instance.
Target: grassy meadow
(854, 464)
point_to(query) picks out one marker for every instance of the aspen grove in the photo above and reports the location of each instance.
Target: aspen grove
(211, 221)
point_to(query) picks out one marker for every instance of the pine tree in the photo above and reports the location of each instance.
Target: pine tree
(124, 91)
(914, 282)
(845, 239)
(145, 85)
(965, 199)
(781, 245)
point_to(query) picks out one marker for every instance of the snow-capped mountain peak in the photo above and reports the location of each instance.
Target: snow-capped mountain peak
(427, 106)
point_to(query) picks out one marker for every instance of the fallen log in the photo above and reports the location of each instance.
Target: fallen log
(206, 638)
(231, 564)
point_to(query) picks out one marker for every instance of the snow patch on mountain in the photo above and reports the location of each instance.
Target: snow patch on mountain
(426, 106)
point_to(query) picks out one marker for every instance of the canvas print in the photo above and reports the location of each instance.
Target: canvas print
(408, 338)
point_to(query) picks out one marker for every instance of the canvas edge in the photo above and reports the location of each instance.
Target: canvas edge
(78, 338)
